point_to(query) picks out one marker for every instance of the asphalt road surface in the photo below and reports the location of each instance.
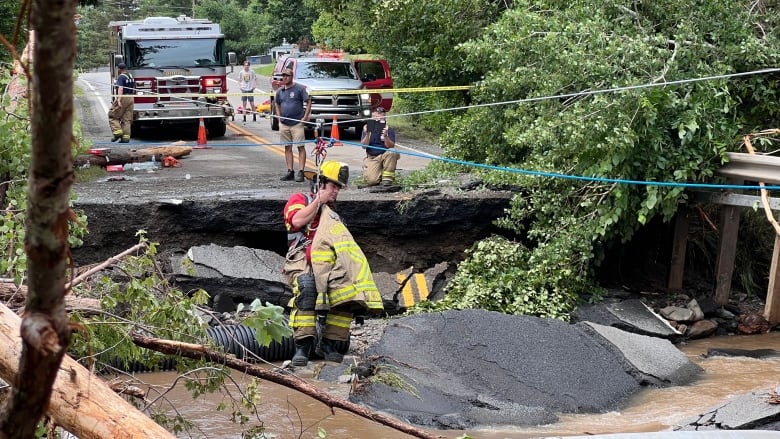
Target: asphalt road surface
(248, 148)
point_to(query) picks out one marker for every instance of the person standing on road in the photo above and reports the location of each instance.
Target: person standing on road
(328, 271)
(120, 116)
(380, 161)
(247, 82)
(293, 106)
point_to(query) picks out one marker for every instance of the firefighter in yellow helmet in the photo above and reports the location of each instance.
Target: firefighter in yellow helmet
(320, 246)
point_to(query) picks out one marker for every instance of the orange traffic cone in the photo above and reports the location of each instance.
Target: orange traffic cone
(201, 135)
(334, 131)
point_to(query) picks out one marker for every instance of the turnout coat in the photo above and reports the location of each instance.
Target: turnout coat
(340, 268)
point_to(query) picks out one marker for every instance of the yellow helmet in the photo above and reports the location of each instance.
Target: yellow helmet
(334, 171)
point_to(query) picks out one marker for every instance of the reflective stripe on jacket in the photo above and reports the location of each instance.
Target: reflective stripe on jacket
(340, 267)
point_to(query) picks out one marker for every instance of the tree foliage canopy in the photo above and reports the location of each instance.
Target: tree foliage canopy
(551, 51)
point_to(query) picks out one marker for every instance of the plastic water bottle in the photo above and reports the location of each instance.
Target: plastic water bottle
(154, 161)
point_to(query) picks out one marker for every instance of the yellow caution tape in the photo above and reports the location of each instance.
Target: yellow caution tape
(325, 92)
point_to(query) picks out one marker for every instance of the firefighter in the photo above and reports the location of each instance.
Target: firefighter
(328, 271)
(120, 117)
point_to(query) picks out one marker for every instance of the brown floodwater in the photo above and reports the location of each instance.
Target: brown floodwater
(286, 413)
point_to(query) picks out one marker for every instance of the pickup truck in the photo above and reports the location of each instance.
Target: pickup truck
(333, 71)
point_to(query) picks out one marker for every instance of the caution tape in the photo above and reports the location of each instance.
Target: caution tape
(320, 92)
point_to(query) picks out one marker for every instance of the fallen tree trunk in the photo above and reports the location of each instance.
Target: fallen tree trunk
(14, 297)
(200, 352)
(81, 403)
(121, 156)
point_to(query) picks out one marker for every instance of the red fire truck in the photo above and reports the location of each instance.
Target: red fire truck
(179, 66)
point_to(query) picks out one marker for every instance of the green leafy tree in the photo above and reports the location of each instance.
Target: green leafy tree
(345, 25)
(12, 28)
(676, 133)
(290, 20)
(419, 39)
(246, 31)
(93, 44)
(158, 8)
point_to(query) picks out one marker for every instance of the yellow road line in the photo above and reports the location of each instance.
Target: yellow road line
(422, 286)
(278, 149)
(417, 282)
(406, 291)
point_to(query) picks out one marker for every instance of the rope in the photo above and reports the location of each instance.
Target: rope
(550, 97)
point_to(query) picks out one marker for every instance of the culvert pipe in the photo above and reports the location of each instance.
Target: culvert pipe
(240, 341)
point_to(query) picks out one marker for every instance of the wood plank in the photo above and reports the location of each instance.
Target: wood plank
(679, 246)
(732, 199)
(752, 167)
(727, 246)
(772, 307)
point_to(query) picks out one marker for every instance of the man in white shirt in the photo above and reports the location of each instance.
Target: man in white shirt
(247, 82)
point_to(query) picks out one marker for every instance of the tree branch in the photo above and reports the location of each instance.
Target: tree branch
(200, 352)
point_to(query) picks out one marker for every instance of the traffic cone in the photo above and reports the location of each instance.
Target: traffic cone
(334, 131)
(201, 135)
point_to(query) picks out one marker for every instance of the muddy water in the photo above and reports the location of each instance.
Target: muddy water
(289, 414)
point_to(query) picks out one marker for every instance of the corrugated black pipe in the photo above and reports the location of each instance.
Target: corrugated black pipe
(240, 340)
(232, 337)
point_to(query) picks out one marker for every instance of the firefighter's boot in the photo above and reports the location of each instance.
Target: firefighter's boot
(302, 351)
(328, 351)
(254, 116)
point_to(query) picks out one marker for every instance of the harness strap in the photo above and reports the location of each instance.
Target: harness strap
(298, 240)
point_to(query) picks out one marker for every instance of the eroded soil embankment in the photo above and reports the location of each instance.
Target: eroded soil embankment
(424, 230)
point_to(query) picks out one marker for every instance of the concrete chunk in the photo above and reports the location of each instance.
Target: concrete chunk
(657, 360)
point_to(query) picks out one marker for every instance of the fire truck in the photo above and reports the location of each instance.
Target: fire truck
(179, 65)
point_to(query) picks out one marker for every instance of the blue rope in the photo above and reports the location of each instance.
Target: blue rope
(494, 167)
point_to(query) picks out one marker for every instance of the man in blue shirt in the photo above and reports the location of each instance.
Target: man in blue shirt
(293, 106)
(380, 162)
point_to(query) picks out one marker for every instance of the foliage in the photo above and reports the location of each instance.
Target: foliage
(246, 32)
(290, 20)
(388, 375)
(267, 322)
(14, 162)
(505, 276)
(17, 37)
(92, 36)
(138, 298)
(676, 133)
(14, 172)
(132, 10)
(419, 39)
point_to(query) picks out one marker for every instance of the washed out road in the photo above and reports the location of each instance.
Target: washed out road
(248, 149)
